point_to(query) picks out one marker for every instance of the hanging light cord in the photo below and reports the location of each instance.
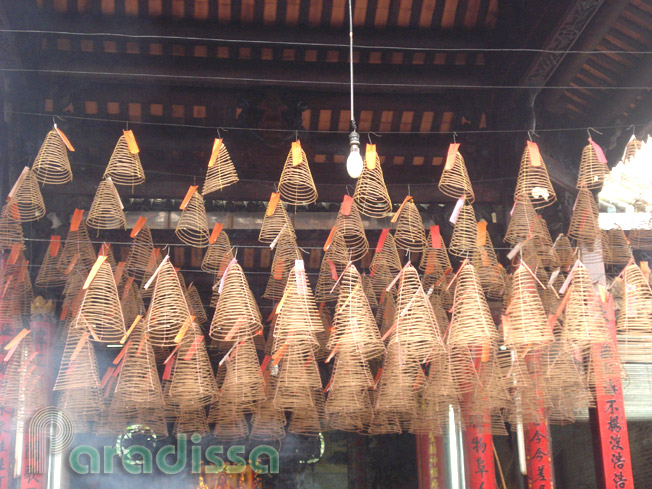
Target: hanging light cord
(353, 123)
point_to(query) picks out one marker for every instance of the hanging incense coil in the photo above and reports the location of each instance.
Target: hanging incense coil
(78, 368)
(168, 309)
(106, 210)
(525, 324)
(231, 424)
(349, 225)
(533, 179)
(354, 325)
(592, 171)
(243, 383)
(268, 422)
(454, 181)
(631, 148)
(236, 315)
(296, 185)
(386, 313)
(195, 304)
(218, 255)
(524, 222)
(309, 420)
(285, 255)
(78, 249)
(221, 172)
(140, 258)
(124, 166)
(51, 164)
(26, 202)
(192, 228)
(370, 193)
(190, 421)
(485, 262)
(465, 233)
(435, 257)
(584, 324)
(619, 247)
(10, 230)
(100, 312)
(49, 274)
(605, 250)
(409, 234)
(368, 289)
(564, 251)
(132, 303)
(634, 328)
(324, 334)
(584, 225)
(276, 220)
(640, 239)
(332, 265)
(385, 263)
(298, 378)
(83, 405)
(17, 380)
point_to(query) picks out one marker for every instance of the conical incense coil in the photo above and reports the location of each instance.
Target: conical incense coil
(585, 324)
(604, 245)
(19, 379)
(310, 420)
(124, 166)
(100, 312)
(593, 167)
(78, 248)
(268, 422)
(584, 225)
(286, 252)
(296, 185)
(324, 334)
(106, 210)
(276, 220)
(533, 179)
(10, 230)
(195, 304)
(415, 326)
(409, 234)
(221, 171)
(619, 247)
(332, 265)
(243, 383)
(192, 228)
(231, 424)
(49, 274)
(440, 313)
(349, 225)
(371, 194)
(385, 263)
(525, 324)
(434, 259)
(386, 313)
(454, 180)
(236, 315)
(485, 262)
(465, 233)
(399, 384)
(471, 323)
(298, 319)
(138, 383)
(83, 405)
(218, 255)
(298, 379)
(565, 252)
(78, 368)
(190, 421)
(168, 309)
(631, 148)
(132, 303)
(354, 325)
(524, 222)
(51, 164)
(140, 258)
(25, 202)
(193, 382)
(634, 327)
(640, 239)
(368, 289)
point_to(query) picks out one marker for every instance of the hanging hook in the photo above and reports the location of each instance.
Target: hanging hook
(346, 187)
(57, 117)
(127, 125)
(454, 137)
(296, 135)
(589, 129)
(633, 128)
(219, 134)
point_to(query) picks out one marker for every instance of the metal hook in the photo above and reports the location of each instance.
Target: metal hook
(529, 135)
(219, 134)
(589, 129)
(454, 137)
(57, 117)
(346, 187)
(633, 128)
(127, 125)
(296, 135)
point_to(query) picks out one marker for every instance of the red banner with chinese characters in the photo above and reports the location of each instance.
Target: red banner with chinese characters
(479, 455)
(7, 332)
(430, 461)
(539, 456)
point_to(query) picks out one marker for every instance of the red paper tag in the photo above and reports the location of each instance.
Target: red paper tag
(278, 269)
(333, 269)
(435, 237)
(139, 225)
(450, 157)
(55, 244)
(13, 255)
(598, 152)
(193, 348)
(266, 360)
(482, 233)
(347, 202)
(329, 240)
(381, 240)
(535, 155)
(217, 229)
(168, 369)
(76, 219)
(407, 199)
(189, 194)
(119, 270)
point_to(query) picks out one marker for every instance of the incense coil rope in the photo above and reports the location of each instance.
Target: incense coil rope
(195, 304)
(371, 195)
(619, 247)
(409, 234)
(218, 255)
(274, 224)
(230, 423)
(140, 257)
(243, 384)
(524, 223)
(100, 312)
(268, 422)
(564, 251)
(77, 247)
(132, 304)
(384, 265)
(434, 260)
(298, 379)
(83, 405)
(296, 185)
(465, 233)
(285, 255)
(592, 171)
(106, 209)
(124, 167)
(634, 328)
(10, 230)
(584, 225)
(332, 265)
(221, 174)
(236, 315)
(368, 289)
(51, 164)
(192, 228)
(80, 371)
(191, 420)
(26, 204)
(311, 420)
(454, 181)
(533, 181)
(353, 234)
(48, 273)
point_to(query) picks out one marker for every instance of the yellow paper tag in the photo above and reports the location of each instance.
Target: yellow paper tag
(217, 144)
(65, 140)
(131, 142)
(297, 156)
(370, 156)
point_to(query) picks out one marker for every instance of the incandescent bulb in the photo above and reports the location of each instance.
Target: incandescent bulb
(354, 162)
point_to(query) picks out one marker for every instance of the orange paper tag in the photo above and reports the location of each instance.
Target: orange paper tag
(122, 353)
(125, 291)
(278, 270)
(55, 244)
(345, 209)
(15, 253)
(23, 271)
(535, 155)
(398, 212)
(78, 347)
(370, 156)
(168, 369)
(131, 142)
(297, 156)
(139, 225)
(184, 329)
(273, 202)
(217, 144)
(266, 360)
(94, 270)
(329, 240)
(16, 339)
(435, 237)
(381, 240)
(76, 219)
(482, 233)
(119, 270)
(333, 269)
(217, 229)
(130, 330)
(188, 196)
(452, 154)
(64, 311)
(193, 348)
(65, 140)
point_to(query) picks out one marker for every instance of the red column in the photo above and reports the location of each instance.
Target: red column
(479, 456)
(7, 332)
(539, 456)
(431, 462)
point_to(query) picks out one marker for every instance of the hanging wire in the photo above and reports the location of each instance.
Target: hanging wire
(353, 123)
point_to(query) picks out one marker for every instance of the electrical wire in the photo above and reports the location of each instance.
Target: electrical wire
(320, 44)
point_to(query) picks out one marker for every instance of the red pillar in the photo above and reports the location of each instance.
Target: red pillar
(479, 456)
(540, 469)
(431, 462)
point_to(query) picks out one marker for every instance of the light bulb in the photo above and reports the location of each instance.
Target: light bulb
(354, 161)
